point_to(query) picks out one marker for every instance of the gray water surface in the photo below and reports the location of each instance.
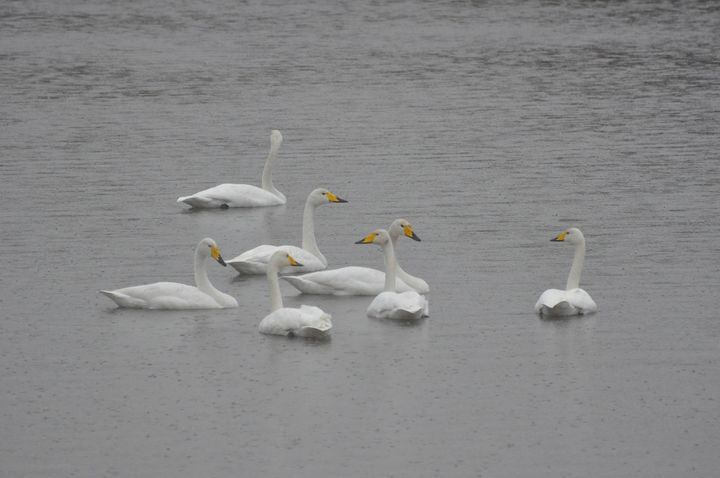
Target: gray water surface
(490, 126)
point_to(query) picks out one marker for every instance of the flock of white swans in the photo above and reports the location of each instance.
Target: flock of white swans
(398, 294)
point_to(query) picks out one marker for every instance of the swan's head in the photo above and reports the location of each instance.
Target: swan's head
(402, 227)
(276, 138)
(208, 247)
(378, 236)
(323, 196)
(571, 236)
(283, 259)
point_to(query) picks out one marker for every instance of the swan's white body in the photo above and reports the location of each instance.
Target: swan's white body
(255, 260)
(390, 304)
(573, 300)
(306, 321)
(243, 195)
(171, 295)
(356, 280)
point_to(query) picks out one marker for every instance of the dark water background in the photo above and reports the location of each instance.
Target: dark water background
(491, 126)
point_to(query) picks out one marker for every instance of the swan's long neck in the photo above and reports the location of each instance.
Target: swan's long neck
(308, 240)
(573, 281)
(267, 183)
(201, 278)
(275, 296)
(390, 267)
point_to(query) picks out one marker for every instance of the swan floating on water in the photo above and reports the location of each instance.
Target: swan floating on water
(573, 300)
(355, 280)
(255, 260)
(390, 304)
(306, 321)
(243, 195)
(171, 295)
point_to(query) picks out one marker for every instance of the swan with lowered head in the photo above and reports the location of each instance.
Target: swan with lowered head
(171, 295)
(243, 195)
(354, 280)
(573, 300)
(390, 304)
(255, 260)
(306, 321)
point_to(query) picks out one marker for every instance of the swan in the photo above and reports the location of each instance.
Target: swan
(171, 295)
(390, 304)
(355, 280)
(307, 321)
(573, 300)
(255, 260)
(243, 195)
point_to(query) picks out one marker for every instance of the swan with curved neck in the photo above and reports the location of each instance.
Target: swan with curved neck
(573, 300)
(354, 280)
(390, 304)
(306, 321)
(171, 295)
(243, 195)
(255, 260)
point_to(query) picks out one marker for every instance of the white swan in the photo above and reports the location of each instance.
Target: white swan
(390, 304)
(355, 280)
(171, 295)
(255, 260)
(243, 195)
(307, 321)
(573, 300)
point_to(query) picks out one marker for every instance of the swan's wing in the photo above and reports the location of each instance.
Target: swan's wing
(305, 321)
(162, 295)
(555, 302)
(232, 195)
(391, 305)
(582, 301)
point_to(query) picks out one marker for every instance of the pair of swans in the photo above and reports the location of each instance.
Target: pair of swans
(255, 261)
(355, 280)
(307, 321)
(390, 304)
(573, 300)
(243, 195)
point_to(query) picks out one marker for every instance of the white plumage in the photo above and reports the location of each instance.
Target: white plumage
(172, 295)
(573, 300)
(243, 195)
(306, 321)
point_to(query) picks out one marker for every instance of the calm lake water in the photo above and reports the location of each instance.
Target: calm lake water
(491, 126)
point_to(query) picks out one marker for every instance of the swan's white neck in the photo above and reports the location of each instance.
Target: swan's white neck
(267, 183)
(414, 282)
(573, 281)
(391, 266)
(308, 239)
(275, 296)
(201, 278)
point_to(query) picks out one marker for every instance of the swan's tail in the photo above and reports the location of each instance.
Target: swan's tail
(201, 202)
(123, 300)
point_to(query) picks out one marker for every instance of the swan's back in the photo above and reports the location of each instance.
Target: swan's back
(351, 280)
(162, 295)
(307, 321)
(398, 306)
(255, 260)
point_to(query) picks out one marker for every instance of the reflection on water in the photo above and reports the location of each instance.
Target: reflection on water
(490, 127)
